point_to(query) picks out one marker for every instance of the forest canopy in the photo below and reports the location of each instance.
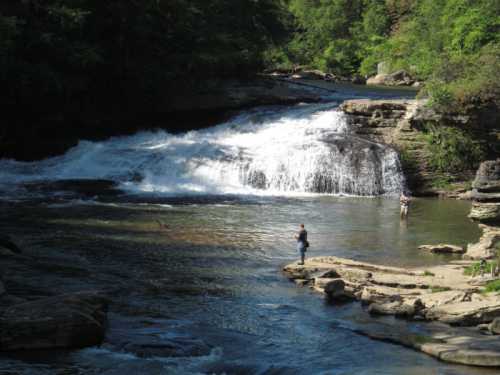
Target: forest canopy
(77, 60)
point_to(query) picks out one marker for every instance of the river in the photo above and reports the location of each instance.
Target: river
(206, 295)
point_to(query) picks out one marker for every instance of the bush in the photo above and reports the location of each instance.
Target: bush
(452, 150)
(492, 286)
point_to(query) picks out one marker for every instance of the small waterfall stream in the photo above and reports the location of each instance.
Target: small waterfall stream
(303, 149)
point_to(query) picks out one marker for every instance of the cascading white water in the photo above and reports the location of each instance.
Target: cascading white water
(306, 149)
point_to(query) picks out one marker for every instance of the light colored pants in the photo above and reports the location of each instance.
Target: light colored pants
(404, 210)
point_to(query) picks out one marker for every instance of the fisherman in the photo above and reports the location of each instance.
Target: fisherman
(404, 201)
(302, 243)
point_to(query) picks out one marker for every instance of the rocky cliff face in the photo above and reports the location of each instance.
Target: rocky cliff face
(402, 124)
(486, 210)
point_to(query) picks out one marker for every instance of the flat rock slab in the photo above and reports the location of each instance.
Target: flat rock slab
(455, 345)
(65, 321)
(443, 248)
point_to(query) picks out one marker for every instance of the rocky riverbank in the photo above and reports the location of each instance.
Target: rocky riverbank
(461, 296)
(439, 293)
(403, 125)
(486, 211)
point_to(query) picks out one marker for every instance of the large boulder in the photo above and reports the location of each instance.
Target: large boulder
(443, 248)
(398, 78)
(485, 212)
(335, 289)
(487, 246)
(488, 177)
(466, 313)
(65, 321)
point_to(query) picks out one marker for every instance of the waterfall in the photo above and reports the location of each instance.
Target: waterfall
(304, 149)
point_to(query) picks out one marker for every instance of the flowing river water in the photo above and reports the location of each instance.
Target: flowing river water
(206, 295)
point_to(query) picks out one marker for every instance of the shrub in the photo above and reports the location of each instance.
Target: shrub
(451, 149)
(492, 286)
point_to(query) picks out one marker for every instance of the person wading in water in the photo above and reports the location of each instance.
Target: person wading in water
(404, 201)
(302, 243)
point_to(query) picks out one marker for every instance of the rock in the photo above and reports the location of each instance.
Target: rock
(494, 326)
(488, 177)
(417, 84)
(443, 248)
(485, 212)
(467, 313)
(433, 300)
(398, 78)
(487, 246)
(6, 242)
(335, 289)
(2, 288)
(65, 321)
(449, 344)
(397, 308)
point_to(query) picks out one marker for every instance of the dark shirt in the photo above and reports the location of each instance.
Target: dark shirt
(302, 236)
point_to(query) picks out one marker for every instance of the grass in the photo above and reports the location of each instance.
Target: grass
(492, 286)
(428, 273)
(437, 289)
(475, 269)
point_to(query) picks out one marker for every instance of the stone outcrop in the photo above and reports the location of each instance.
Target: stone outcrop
(486, 210)
(398, 78)
(443, 249)
(449, 344)
(401, 123)
(438, 295)
(65, 321)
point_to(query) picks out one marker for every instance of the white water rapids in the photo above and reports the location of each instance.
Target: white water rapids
(304, 149)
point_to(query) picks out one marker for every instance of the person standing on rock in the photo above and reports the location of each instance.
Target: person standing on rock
(404, 201)
(302, 243)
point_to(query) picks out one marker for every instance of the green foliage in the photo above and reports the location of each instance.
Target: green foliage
(492, 286)
(475, 269)
(442, 182)
(437, 289)
(428, 273)
(452, 149)
(82, 61)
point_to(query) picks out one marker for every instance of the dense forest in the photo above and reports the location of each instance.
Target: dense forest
(69, 65)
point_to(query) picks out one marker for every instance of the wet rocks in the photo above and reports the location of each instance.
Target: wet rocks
(440, 293)
(449, 344)
(65, 321)
(443, 249)
(436, 295)
(335, 288)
